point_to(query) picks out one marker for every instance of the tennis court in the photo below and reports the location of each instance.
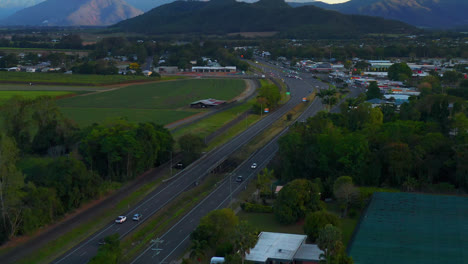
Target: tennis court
(405, 228)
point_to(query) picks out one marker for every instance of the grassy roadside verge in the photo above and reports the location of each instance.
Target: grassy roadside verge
(166, 217)
(208, 125)
(54, 249)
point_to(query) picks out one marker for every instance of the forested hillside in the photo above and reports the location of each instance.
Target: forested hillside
(230, 16)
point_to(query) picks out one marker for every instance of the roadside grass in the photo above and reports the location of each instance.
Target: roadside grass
(233, 131)
(164, 218)
(206, 126)
(87, 116)
(56, 248)
(5, 95)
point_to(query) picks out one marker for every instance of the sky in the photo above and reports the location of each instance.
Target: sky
(325, 1)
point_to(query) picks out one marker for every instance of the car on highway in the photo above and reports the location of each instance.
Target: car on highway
(239, 178)
(120, 219)
(253, 166)
(102, 241)
(137, 217)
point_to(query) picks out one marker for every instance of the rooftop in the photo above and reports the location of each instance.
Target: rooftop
(275, 246)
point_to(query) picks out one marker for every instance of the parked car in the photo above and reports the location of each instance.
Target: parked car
(137, 217)
(254, 165)
(121, 219)
(239, 179)
(102, 241)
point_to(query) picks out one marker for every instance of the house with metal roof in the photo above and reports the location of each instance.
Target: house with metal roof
(275, 248)
(207, 103)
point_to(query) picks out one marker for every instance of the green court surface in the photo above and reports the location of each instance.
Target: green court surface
(409, 228)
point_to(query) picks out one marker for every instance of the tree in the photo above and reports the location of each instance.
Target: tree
(191, 147)
(328, 97)
(399, 72)
(373, 91)
(329, 241)
(110, 252)
(15, 114)
(345, 192)
(197, 249)
(215, 227)
(11, 189)
(271, 94)
(264, 179)
(451, 77)
(315, 221)
(295, 200)
(245, 237)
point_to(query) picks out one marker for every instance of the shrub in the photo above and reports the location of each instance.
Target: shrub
(256, 208)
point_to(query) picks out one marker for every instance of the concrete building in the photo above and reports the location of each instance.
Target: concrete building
(167, 70)
(205, 69)
(275, 248)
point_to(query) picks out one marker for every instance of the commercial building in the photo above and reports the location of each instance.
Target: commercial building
(204, 69)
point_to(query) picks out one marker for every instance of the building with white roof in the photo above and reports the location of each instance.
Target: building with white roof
(283, 248)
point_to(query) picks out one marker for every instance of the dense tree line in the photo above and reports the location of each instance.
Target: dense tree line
(49, 166)
(421, 146)
(382, 50)
(220, 233)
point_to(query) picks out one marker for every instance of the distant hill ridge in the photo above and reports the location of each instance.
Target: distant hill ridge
(423, 13)
(74, 13)
(230, 16)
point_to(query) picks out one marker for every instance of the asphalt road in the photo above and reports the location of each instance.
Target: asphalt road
(183, 181)
(176, 240)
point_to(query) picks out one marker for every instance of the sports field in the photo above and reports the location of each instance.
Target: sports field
(5, 95)
(162, 103)
(409, 228)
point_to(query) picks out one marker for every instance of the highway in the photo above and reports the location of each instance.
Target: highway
(184, 180)
(176, 240)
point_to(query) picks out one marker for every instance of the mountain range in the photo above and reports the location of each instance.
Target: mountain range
(422, 13)
(230, 16)
(73, 13)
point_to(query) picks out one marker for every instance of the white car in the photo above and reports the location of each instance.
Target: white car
(137, 217)
(121, 219)
(253, 166)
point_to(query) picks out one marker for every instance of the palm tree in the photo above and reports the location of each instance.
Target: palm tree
(328, 97)
(197, 250)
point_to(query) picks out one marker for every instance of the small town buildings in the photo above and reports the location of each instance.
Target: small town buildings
(167, 69)
(276, 248)
(205, 69)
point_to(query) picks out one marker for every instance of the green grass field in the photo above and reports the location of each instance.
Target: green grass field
(162, 103)
(5, 95)
(27, 87)
(88, 116)
(71, 79)
(268, 223)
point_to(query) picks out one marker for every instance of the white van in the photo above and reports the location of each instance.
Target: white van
(215, 260)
